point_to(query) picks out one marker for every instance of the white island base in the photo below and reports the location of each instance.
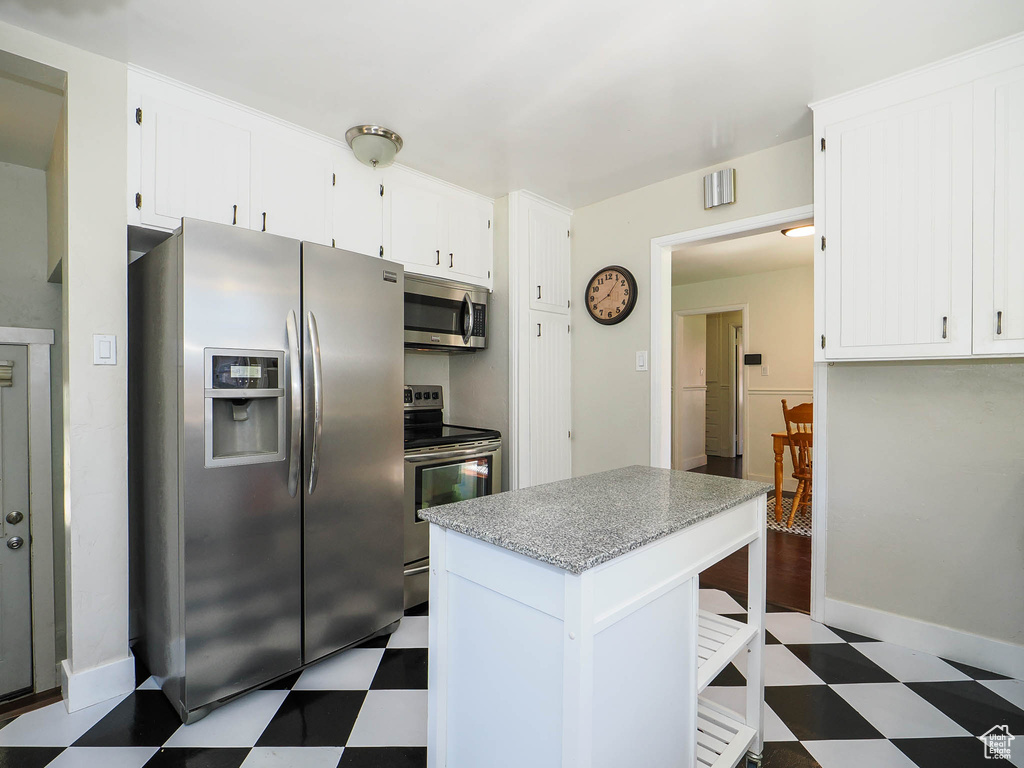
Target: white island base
(531, 665)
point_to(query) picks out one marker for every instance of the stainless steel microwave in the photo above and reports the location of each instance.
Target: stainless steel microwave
(444, 315)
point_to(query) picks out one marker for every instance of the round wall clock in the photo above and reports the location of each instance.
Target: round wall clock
(611, 295)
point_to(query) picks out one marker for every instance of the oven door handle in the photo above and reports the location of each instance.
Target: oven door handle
(421, 459)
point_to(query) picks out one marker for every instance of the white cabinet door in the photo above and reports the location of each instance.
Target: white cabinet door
(898, 220)
(358, 206)
(192, 165)
(291, 186)
(548, 243)
(550, 399)
(999, 214)
(413, 222)
(470, 243)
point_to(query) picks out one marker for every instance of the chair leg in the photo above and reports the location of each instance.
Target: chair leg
(796, 503)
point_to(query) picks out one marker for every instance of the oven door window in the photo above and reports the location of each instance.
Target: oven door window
(456, 481)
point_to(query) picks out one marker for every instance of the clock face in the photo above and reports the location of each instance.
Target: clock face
(611, 295)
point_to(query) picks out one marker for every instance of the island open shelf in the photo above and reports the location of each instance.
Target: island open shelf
(586, 664)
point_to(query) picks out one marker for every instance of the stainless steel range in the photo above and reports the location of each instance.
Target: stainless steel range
(444, 463)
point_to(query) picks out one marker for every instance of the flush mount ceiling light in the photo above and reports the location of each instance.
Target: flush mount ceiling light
(373, 145)
(805, 231)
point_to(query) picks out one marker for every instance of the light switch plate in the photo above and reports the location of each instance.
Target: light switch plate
(104, 349)
(641, 360)
(764, 370)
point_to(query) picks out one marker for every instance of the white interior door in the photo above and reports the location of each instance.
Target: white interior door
(689, 391)
(15, 598)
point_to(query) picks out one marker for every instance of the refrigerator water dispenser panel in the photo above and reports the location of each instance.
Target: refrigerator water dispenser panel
(245, 407)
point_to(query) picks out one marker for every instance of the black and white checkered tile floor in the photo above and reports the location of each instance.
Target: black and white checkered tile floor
(834, 700)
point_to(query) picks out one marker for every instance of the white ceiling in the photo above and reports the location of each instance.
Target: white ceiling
(577, 100)
(26, 133)
(750, 255)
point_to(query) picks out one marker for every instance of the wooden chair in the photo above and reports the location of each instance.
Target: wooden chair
(800, 431)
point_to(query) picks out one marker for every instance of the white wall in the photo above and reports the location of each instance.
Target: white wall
(95, 397)
(689, 356)
(27, 300)
(619, 231)
(781, 328)
(926, 482)
(428, 368)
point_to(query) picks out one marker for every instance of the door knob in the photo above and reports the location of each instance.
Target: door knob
(15, 517)
(15, 542)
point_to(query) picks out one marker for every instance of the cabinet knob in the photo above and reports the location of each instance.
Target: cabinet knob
(451, 260)
(944, 324)
(538, 330)
(234, 214)
(439, 257)
(264, 221)
(999, 323)
(538, 291)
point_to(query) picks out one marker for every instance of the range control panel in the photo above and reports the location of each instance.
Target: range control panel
(423, 396)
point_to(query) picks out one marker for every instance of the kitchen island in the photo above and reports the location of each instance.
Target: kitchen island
(565, 628)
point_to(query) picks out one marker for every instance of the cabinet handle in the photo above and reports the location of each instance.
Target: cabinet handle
(451, 260)
(944, 319)
(538, 330)
(999, 323)
(439, 257)
(234, 214)
(264, 221)
(538, 291)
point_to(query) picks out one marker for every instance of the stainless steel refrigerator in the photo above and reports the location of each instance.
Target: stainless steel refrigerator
(265, 457)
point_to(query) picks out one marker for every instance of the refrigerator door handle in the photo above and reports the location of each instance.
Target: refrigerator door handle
(318, 401)
(295, 450)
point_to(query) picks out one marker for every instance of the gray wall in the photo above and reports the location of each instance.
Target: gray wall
(926, 492)
(480, 381)
(27, 300)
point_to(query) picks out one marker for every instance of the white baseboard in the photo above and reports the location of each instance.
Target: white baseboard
(91, 686)
(954, 644)
(693, 461)
(788, 483)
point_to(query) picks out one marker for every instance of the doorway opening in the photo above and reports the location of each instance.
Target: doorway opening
(742, 315)
(33, 238)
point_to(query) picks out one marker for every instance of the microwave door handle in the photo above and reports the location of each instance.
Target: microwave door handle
(295, 452)
(467, 321)
(318, 401)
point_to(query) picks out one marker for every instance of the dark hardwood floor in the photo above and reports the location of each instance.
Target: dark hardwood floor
(788, 555)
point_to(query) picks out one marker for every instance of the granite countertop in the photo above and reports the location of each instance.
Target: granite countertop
(580, 523)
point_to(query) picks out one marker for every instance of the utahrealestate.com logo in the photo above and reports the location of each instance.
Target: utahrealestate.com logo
(997, 742)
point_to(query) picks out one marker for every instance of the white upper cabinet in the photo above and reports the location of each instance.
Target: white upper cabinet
(437, 230)
(291, 186)
(358, 205)
(897, 229)
(193, 154)
(192, 164)
(548, 244)
(999, 214)
(412, 221)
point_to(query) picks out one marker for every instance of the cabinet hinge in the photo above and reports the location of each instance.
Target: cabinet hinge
(334, 179)
(488, 223)
(138, 200)
(567, 233)
(568, 304)
(138, 115)
(382, 190)
(823, 341)
(382, 251)
(823, 242)
(568, 329)
(822, 143)
(332, 243)
(570, 434)
(488, 274)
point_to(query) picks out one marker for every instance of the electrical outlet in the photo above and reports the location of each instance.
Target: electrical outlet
(641, 360)
(764, 370)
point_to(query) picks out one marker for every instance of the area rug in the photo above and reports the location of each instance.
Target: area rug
(801, 523)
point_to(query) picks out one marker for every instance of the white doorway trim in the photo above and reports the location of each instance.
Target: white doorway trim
(44, 660)
(745, 309)
(660, 361)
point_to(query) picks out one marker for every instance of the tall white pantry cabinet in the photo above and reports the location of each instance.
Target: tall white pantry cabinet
(919, 185)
